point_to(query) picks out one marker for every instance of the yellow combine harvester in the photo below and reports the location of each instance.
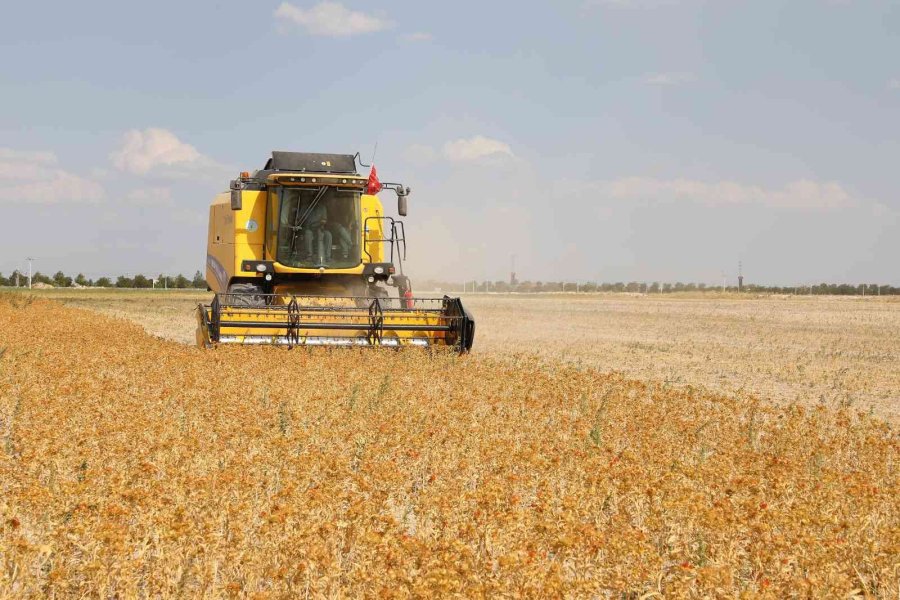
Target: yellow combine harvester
(302, 253)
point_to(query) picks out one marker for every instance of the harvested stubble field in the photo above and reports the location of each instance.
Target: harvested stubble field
(132, 466)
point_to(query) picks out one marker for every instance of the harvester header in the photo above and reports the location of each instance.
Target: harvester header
(301, 252)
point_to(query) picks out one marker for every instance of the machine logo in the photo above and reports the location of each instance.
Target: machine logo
(218, 270)
(252, 226)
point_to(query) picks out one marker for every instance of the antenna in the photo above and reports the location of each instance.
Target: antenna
(358, 157)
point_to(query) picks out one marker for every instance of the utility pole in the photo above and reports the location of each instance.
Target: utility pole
(29, 259)
(724, 281)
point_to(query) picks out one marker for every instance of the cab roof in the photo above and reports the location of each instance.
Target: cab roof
(309, 162)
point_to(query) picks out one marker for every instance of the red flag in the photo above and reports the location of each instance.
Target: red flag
(374, 186)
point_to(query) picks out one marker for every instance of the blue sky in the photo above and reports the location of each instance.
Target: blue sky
(612, 140)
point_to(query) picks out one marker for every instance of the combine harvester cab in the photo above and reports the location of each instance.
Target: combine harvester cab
(301, 253)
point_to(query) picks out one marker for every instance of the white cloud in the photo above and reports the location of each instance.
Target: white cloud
(331, 19)
(45, 158)
(894, 84)
(801, 194)
(58, 187)
(669, 78)
(154, 149)
(476, 148)
(418, 36)
(24, 165)
(33, 178)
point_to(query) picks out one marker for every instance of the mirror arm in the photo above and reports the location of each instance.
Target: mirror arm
(236, 190)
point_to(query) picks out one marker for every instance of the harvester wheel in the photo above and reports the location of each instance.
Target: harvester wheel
(247, 294)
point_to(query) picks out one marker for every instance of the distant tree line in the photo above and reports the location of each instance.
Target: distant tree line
(60, 279)
(656, 287)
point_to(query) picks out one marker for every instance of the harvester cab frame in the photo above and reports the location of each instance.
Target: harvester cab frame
(301, 252)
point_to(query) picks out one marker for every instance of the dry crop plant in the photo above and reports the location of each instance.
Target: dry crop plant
(134, 467)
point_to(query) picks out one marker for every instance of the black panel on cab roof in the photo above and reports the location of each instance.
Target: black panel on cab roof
(308, 162)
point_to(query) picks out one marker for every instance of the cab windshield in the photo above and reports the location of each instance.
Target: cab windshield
(318, 227)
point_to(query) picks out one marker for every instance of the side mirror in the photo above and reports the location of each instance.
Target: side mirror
(236, 189)
(402, 201)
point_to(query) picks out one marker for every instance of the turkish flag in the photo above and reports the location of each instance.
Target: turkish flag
(374, 186)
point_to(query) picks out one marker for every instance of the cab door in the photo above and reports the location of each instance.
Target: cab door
(273, 206)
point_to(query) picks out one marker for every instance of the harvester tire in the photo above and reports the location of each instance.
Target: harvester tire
(248, 294)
